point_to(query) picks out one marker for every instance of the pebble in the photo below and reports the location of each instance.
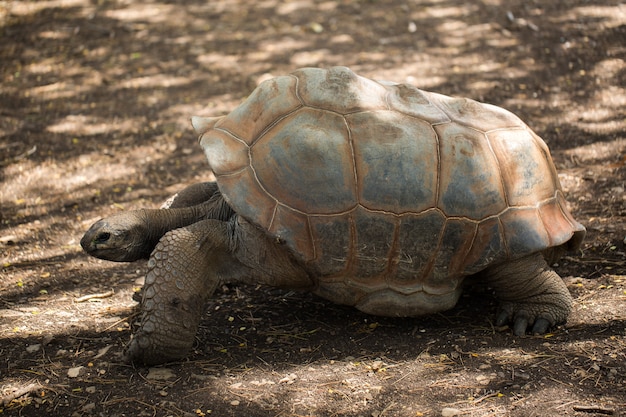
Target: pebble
(450, 412)
(235, 402)
(33, 348)
(160, 374)
(75, 372)
(89, 407)
(289, 379)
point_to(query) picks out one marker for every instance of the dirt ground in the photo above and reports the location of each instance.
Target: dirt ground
(95, 102)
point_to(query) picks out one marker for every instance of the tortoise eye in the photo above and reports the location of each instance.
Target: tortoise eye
(102, 237)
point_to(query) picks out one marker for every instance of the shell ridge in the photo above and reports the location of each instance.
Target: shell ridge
(351, 261)
(274, 123)
(562, 212)
(505, 242)
(430, 103)
(504, 192)
(543, 220)
(357, 183)
(311, 238)
(450, 119)
(273, 215)
(393, 256)
(231, 134)
(232, 173)
(297, 89)
(430, 265)
(438, 169)
(501, 129)
(470, 246)
(387, 95)
(558, 194)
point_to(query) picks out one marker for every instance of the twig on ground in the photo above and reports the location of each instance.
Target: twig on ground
(18, 392)
(93, 296)
(594, 409)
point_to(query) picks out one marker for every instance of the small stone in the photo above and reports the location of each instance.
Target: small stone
(33, 348)
(377, 365)
(160, 374)
(235, 402)
(89, 407)
(75, 372)
(289, 379)
(450, 412)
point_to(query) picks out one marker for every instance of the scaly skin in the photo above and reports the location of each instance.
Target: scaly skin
(184, 270)
(132, 235)
(532, 296)
(191, 195)
(180, 279)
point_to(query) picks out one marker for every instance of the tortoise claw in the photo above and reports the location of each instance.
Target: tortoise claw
(520, 326)
(541, 326)
(502, 319)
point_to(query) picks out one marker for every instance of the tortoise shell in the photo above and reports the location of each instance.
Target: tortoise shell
(384, 188)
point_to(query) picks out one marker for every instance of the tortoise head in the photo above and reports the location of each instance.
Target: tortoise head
(123, 237)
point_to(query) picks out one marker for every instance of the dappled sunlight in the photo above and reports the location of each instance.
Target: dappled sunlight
(152, 81)
(148, 13)
(439, 10)
(611, 16)
(95, 102)
(83, 125)
(603, 153)
(23, 8)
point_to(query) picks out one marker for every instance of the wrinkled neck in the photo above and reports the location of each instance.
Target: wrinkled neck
(161, 221)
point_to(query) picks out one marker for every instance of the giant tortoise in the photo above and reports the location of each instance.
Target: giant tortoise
(372, 194)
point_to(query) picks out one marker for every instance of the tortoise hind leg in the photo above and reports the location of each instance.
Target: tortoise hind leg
(532, 295)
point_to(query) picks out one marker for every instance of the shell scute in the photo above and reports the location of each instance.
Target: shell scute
(374, 245)
(393, 174)
(447, 266)
(527, 171)
(524, 231)
(242, 190)
(340, 90)
(337, 230)
(225, 153)
(480, 116)
(306, 163)
(557, 220)
(414, 254)
(273, 99)
(487, 247)
(416, 103)
(470, 182)
(293, 227)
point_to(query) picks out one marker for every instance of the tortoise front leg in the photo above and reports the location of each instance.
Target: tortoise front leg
(185, 268)
(182, 275)
(191, 195)
(532, 295)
